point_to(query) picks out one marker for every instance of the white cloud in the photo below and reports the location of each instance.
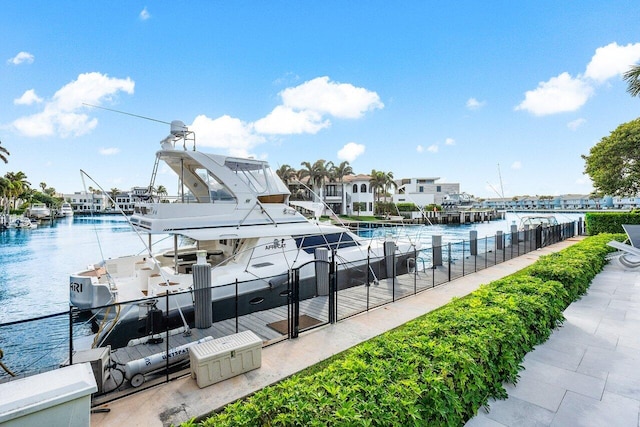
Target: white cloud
(144, 15)
(433, 148)
(351, 151)
(612, 60)
(21, 58)
(109, 151)
(341, 100)
(226, 132)
(304, 109)
(575, 124)
(28, 98)
(560, 94)
(419, 148)
(285, 121)
(449, 141)
(61, 114)
(474, 104)
(516, 165)
(565, 93)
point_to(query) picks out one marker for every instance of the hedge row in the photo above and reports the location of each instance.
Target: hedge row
(437, 369)
(609, 222)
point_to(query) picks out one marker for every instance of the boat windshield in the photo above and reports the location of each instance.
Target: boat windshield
(217, 190)
(257, 175)
(536, 221)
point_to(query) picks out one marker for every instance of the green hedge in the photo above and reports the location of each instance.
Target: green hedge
(609, 222)
(438, 369)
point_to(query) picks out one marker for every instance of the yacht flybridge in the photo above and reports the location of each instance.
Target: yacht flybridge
(231, 213)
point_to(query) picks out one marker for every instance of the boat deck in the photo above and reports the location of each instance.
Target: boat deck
(349, 302)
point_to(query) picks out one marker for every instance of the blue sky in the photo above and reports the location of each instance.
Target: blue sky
(418, 88)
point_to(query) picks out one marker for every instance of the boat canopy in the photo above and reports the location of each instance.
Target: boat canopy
(210, 177)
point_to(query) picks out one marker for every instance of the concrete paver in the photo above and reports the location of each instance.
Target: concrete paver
(599, 388)
(181, 399)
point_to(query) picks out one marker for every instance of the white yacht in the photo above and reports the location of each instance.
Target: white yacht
(23, 222)
(38, 211)
(66, 209)
(233, 213)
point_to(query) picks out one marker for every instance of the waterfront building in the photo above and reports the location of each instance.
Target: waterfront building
(424, 191)
(359, 195)
(84, 202)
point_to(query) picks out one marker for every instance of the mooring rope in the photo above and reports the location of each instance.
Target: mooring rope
(5, 366)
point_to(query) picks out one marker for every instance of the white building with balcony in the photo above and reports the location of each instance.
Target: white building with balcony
(423, 191)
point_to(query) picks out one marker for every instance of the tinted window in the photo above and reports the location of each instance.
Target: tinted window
(329, 241)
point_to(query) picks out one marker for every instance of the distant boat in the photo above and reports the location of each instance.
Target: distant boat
(23, 222)
(66, 209)
(534, 221)
(38, 211)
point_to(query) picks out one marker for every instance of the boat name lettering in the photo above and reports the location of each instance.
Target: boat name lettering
(277, 244)
(76, 287)
(175, 352)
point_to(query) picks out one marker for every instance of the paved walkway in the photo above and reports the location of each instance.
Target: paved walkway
(181, 399)
(588, 372)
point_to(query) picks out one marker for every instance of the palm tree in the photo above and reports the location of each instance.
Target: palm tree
(632, 77)
(377, 182)
(381, 182)
(316, 174)
(3, 153)
(338, 173)
(389, 182)
(18, 185)
(4, 190)
(43, 185)
(286, 174)
(114, 193)
(342, 170)
(162, 192)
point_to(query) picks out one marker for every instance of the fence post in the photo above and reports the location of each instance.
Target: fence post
(236, 301)
(368, 274)
(415, 270)
(322, 271)
(473, 242)
(436, 248)
(70, 335)
(449, 258)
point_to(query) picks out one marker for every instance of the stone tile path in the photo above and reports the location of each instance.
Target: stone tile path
(588, 372)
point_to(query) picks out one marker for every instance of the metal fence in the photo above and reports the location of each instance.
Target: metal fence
(163, 326)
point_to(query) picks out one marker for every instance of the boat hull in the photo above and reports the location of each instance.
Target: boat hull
(132, 324)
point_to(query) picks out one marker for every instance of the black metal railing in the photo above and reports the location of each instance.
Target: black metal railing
(275, 308)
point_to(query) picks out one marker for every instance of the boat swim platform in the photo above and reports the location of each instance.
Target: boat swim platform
(181, 399)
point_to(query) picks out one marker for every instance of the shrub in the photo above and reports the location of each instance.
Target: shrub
(438, 369)
(609, 222)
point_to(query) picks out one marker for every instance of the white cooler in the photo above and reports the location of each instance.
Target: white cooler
(226, 357)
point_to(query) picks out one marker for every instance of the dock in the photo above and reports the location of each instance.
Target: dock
(181, 400)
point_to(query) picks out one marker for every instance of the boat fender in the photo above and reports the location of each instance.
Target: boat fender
(134, 370)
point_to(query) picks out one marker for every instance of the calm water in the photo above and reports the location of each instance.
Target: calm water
(35, 266)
